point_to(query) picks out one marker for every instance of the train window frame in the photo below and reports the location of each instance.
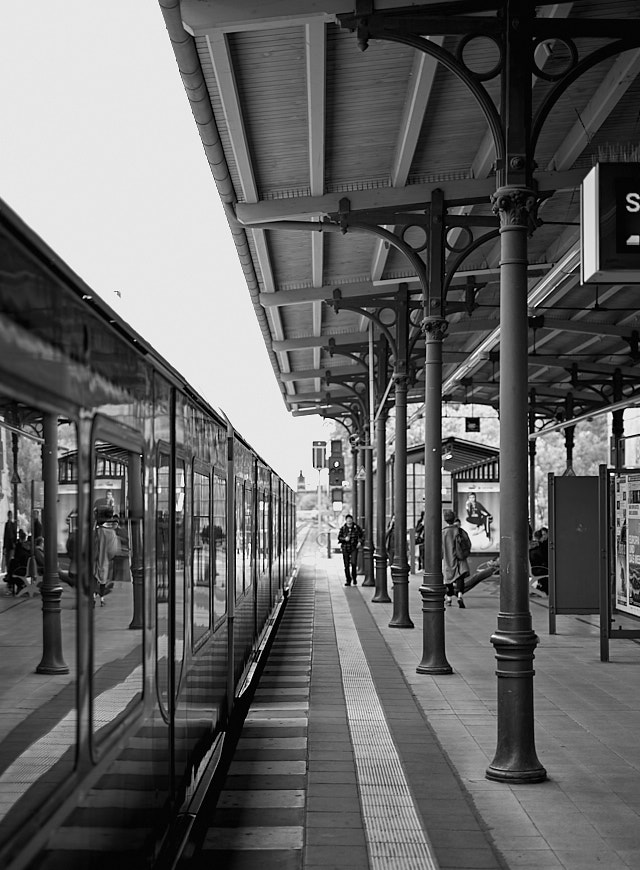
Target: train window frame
(163, 449)
(220, 480)
(203, 470)
(181, 457)
(106, 429)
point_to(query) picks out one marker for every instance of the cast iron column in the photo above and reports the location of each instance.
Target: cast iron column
(569, 434)
(617, 423)
(434, 658)
(368, 513)
(400, 568)
(354, 483)
(514, 640)
(52, 661)
(381, 595)
(361, 517)
(15, 477)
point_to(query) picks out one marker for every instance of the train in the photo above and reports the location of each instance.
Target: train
(123, 664)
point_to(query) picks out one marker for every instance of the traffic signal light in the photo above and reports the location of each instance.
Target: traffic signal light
(336, 464)
(319, 454)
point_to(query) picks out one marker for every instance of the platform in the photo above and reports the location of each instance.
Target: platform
(350, 759)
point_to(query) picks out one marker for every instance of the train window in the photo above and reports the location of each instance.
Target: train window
(264, 530)
(219, 544)
(239, 519)
(201, 557)
(38, 514)
(180, 539)
(162, 491)
(116, 576)
(248, 535)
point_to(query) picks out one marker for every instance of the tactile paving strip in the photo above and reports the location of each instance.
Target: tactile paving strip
(393, 829)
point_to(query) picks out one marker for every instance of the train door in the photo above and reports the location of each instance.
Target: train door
(171, 503)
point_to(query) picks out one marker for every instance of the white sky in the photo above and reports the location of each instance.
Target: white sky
(100, 155)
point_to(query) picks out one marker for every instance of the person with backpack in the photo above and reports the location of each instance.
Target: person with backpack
(456, 546)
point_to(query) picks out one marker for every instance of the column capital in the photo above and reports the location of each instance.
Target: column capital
(400, 374)
(516, 207)
(434, 328)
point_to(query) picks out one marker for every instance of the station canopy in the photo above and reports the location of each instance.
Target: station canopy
(304, 130)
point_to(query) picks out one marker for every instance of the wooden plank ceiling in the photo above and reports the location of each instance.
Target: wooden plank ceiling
(294, 117)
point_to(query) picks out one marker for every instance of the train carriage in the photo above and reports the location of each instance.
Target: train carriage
(168, 548)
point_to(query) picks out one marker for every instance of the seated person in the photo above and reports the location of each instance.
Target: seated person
(539, 559)
(477, 515)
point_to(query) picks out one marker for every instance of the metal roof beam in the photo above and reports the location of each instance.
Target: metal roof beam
(414, 197)
(320, 373)
(582, 326)
(584, 367)
(318, 341)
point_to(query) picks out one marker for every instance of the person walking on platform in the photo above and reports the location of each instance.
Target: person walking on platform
(350, 537)
(106, 548)
(455, 550)
(9, 540)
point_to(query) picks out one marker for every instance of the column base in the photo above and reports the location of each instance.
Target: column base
(434, 657)
(400, 617)
(523, 777)
(381, 594)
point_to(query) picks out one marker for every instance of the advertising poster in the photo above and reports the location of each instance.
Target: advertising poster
(478, 507)
(622, 600)
(633, 545)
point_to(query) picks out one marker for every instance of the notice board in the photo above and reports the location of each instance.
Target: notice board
(573, 546)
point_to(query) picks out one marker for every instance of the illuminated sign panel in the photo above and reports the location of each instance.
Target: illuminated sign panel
(610, 224)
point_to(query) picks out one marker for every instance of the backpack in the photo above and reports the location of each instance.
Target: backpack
(461, 544)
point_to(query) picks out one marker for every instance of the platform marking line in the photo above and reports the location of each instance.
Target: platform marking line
(393, 829)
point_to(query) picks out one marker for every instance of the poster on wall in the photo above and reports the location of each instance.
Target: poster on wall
(478, 507)
(622, 599)
(627, 514)
(633, 544)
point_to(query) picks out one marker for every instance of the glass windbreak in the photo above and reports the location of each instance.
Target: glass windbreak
(117, 576)
(201, 557)
(39, 517)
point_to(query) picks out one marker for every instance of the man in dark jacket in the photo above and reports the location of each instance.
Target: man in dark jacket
(349, 537)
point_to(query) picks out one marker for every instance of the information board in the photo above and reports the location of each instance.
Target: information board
(610, 224)
(573, 545)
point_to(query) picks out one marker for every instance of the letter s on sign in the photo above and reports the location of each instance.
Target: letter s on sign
(633, 202)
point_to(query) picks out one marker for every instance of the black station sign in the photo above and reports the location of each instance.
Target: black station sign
(610, 224)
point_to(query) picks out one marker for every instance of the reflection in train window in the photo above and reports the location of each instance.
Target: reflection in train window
(239, 520)
(117, 574)
(39, 510)
(180, 539)
(248, 536)
(200, 570)
(162, 580)
(219, 544)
